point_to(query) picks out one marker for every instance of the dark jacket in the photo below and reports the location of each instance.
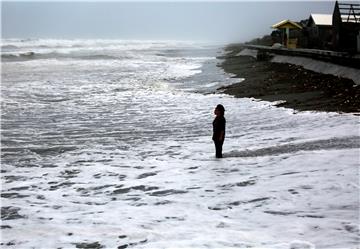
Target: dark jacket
(218, 126)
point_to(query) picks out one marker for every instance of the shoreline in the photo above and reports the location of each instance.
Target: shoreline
(292, 86)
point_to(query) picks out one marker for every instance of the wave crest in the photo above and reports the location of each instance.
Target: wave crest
(31, 55)
(328, 144)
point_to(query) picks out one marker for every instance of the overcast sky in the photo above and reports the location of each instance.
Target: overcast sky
(204, 21)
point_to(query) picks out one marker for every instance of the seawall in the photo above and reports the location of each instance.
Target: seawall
(292, 81)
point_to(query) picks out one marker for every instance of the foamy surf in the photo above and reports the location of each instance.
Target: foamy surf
(118, 153)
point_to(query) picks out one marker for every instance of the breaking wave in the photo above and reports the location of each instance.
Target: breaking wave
(8, 57)
(33, 49)
(327, 144)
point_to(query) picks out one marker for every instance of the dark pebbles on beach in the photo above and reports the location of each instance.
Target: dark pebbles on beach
(294, 86)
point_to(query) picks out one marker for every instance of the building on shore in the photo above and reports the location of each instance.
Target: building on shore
(288, 39)
(346, 27)
(339, 31)
(319, 31)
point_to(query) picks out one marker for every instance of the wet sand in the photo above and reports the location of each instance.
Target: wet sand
(294, 86)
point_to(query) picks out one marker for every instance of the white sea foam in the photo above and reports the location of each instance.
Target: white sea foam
(118, 153)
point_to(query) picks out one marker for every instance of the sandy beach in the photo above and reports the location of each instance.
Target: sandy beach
(291, 85)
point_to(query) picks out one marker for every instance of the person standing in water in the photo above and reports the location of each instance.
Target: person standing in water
(219, 129)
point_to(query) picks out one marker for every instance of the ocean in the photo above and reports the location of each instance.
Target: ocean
(107, 144)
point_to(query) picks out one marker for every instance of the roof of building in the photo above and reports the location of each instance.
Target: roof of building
(286, 24)
(322, 19)
(349, 12)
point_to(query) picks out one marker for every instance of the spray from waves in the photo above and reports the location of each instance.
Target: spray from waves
(13, 50)
(9, 45)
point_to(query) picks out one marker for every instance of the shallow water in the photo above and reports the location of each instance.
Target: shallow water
(108, 144)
